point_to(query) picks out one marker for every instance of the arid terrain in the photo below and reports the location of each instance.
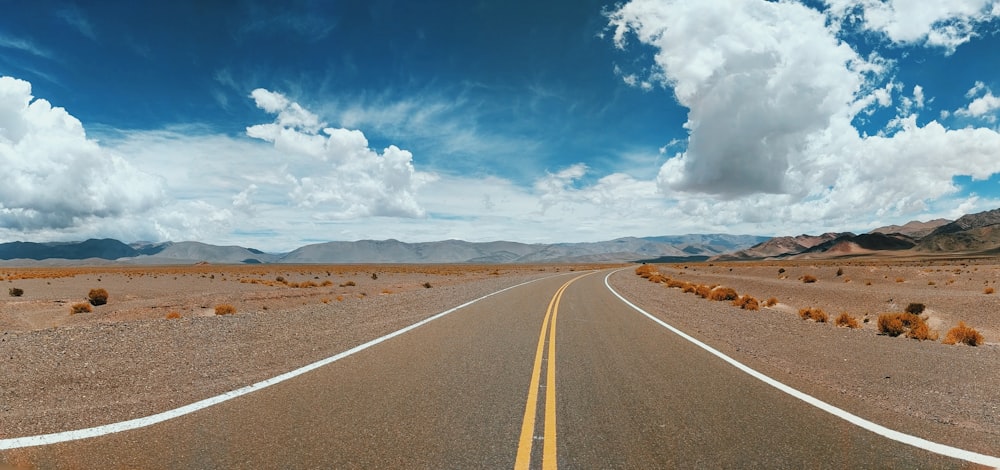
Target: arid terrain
(127, 359)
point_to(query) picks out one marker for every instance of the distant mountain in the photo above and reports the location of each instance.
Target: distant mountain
(683, 247)
(914, 228)
(778, 247)
(973, 232)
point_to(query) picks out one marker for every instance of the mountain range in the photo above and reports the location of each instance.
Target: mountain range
(683, 247)
(973, 234)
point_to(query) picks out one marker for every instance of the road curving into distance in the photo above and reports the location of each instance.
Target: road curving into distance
(556, 373)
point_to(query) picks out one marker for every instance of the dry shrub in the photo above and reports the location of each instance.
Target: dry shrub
(15, 292)
(723, 294)
(840, 272)
(645, 271)
(771, 302)
(915, 308)
(173, 315)
(814, 314)
(845, 319)
(687, 287)
(963, 334)
(703, 291)
(895, 324)
(325, 300)
(81, 307)
(340, 298)
(931, 283)
(747, 303)
(427, 285)
(808, 279)
(988, 290)
(225, 309)
(675, 283)
(657, 278)
(348, 284)
(308, 284)
(327, 283)
(98, 297)
(899, 279)
(386, 291)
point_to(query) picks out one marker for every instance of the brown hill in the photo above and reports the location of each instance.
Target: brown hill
(779, 247)
(914, 228)
(972, 232)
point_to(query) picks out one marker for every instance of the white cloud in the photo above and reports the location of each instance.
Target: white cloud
(335, 173)
(982, 106)
(54, 176)
(946, 24)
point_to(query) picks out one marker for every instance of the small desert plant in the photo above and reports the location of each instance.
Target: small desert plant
(988, 290)
(173, 315)
(225, 309)
(781, 270)
(703, 291)
(675, 283)
(845, 319)
(657, 278)
(899, 279)
(915, 308)
(348, 284)
(15, 292)
(340, 298)
(747, 302)
(808, 279)
(687, 287)
(645, 270)
(723, 294)
(325, 300)
(374, 276)
(98, 297)
(326, 283)
(427, 285)
(963, 334)
(81, 307)
(921, 331)
(840, 272)
(771, 302)
(280, 279)
(895, 324)
(814, 314)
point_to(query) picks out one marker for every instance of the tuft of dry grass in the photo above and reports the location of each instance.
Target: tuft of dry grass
(645, 271)
(814, 314)
(81, 307)
(687, 287)
(921, 332)
(895, 324)
(173, 315)
(771, 302)
(915, 308)
(675, 283)
(348, 284)
(97, 297)
(325, 300)
(15, 292)
(723, 294)
(747, 302)
(845, 319)
(988, 290)
(703, 291)
(963, 334)
(808, 279)
(658, 278)
(225, 309)
(340, 298)
(427, 285)
(900, 280)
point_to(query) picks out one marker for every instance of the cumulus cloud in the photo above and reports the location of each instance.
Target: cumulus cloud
(982, 106)
(341, 176)
(54, 176)
(773, 95)
(759, 79)
(937, 24)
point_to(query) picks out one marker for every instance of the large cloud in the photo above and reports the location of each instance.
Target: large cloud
(342, 177)
(773, 95)
(946, 24)
(759, 79)
(54, 176)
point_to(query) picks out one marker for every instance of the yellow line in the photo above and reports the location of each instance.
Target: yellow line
(549, 461)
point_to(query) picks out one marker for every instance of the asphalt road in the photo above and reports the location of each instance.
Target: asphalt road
(616, 391)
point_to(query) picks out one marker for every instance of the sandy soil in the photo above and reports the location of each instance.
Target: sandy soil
(126, 359)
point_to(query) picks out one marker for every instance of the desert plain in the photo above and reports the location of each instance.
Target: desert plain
(158, 343)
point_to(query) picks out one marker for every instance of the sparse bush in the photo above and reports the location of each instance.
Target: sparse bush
(81, 307)
(840, 272)
(348, 284)
(963, 334)
(895, 324)
(899, 279)
(325, 300)
(988, 290)
(771, 302)
(915, 308)
(645, 271)
(808, 279)
(703, 291)
(657, 278)
(340, 298)
(327, 283)
(427, 285)
(280, 279)
(98, 297)
(814, 314)
(374, 276)
(687, 287)
(173, 315)
(15, 292)
(723, 293)
(781, 270)
(225, 309)
(747, 302)
(845, 319)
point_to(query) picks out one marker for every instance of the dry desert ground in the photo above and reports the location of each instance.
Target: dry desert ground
(127, 359)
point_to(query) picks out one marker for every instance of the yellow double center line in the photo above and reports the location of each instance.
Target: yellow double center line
(528, 425)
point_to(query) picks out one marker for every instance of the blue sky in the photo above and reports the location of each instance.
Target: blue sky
(272, 126)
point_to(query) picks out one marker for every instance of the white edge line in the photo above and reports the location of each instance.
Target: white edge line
(54, 438)
(915, 441)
